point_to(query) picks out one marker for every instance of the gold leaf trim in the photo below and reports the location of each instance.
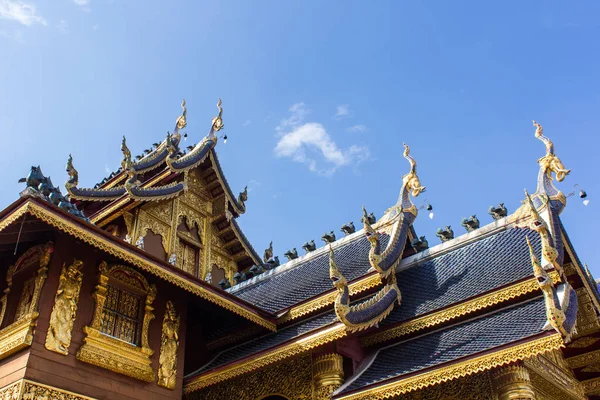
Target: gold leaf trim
(298, 346)
(17, 335)
(475, 304)
(126, 255)
(327, 299)
(583, 360)
(461, 369)
(591, 386)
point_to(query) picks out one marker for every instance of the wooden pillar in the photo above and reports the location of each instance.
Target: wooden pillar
(328, 375)
(512, 383)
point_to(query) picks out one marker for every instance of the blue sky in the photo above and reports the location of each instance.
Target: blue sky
(318, 97)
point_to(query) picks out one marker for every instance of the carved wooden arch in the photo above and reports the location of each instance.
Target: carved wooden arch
(111, 353)
(157, 230)
(189, 222)
(37, 254)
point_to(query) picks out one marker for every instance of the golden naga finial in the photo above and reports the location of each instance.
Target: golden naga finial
(181, 120)
(126, 154)
(535, 262)
(217, 122)
(550, 162)
(411, 180)
(73, 174)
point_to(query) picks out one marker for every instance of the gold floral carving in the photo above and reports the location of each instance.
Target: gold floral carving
(291, 379)
(19, 334)
(129, 222)
(583, 342)
(591, 386)
(583, 360)
(298, 346)
(167, 362)
(469, 306)
(472, 387)
(111, 247)
(328, 299)
(587, 321)
(114, 354)
(25, 389)
(34, 391)
(148, 222)
(461, 369)
(553, 370)
(63, 314)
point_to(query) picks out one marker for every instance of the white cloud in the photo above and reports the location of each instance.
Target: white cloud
(246, 123)
(343, 111)
(107, 169)
(63, 26)
(21, 12)
(357, 129)
(310, 144)
(81, 2)
(252, 184)
(299, 112)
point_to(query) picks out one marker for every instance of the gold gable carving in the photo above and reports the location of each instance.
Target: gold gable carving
(167, 368)
(292, 379)
(25, 389)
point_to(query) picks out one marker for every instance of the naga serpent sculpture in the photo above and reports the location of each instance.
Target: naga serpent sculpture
(368, 313)
(372, 311)
(385, 261)
(550, 162)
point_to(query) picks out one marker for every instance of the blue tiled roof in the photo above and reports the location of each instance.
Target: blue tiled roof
(269, 340)
(468, 271)
(466, 339)
(311, 278)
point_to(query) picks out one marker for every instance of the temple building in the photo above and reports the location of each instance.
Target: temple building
(145, 287)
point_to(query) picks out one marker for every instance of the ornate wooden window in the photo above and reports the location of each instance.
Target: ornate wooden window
(19, 334)
(188, 257)
(117, 338)
(123, 314)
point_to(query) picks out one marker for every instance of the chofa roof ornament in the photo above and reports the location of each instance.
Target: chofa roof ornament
(374, 310)
(549, 164)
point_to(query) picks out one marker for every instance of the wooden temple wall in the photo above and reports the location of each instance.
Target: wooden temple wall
(37, 365)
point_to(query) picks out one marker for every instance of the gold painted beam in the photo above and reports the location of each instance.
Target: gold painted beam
(591, 386)
(467, 307)
(459, 369)
(583, 360)
(297, 346)
(121, 251)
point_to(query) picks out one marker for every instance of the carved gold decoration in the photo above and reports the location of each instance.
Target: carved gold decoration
(167, 363)
(591, 386)
(24, 389)
(298, 346)
(25, 298)
(12, 391)
(363, 284)
(552, 369)
(467, 307)
(115, 249)
(19, 334)
(291, 379)
(513, 383)
(587, 321)
(328, 375)
(107, 352)
(461, 369)
(63, 314)
(473, 387)
(147, 221)
(583, 360)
